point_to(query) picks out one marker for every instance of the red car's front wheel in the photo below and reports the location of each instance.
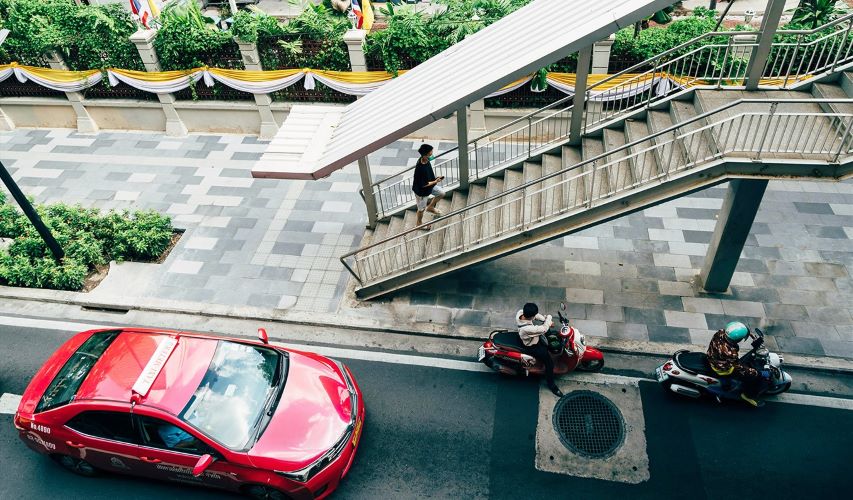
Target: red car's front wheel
(76, 465)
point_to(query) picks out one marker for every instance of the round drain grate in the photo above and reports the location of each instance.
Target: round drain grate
(589, 424)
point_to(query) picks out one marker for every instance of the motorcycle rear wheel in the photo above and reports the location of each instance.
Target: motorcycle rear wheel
(591, 365)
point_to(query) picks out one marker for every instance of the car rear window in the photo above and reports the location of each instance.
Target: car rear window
(69, 379)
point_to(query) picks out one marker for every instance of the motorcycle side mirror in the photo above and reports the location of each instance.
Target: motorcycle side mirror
(562, 306)
(759, 332)
(262, 335)
(203, 463)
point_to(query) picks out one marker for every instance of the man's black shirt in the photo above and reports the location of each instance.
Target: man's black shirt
(423, 176)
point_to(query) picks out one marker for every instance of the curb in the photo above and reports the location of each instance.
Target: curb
(367, 323)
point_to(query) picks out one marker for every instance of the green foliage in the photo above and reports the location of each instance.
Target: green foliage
(314, 39)
(813, 13)
(88, 238)
(654, 41)
(187, 41)
(250, 26)
(88, 37)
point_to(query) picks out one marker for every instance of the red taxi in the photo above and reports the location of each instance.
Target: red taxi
(238, 415)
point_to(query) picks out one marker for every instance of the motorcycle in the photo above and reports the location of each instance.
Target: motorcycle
(689, 374)
(502, 352)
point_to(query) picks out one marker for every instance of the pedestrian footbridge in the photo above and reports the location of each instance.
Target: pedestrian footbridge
(727, 106)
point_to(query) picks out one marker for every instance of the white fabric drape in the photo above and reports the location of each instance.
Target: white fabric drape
(164, 87)
(73, 86)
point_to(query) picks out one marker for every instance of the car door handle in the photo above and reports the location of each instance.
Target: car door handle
(150, 460)
(75, 445)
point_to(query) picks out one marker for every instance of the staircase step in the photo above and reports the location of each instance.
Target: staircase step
(415, 248)
(670, 153)
(644, 165)
(454, 232)
(846, 82)
(619, 173)
(491, 219)
(511, 211)
(700, 146)
(473, 221)
(834, 91)
(593, 147)
(435, 240)
(573, 191)
(533, 209)
(552, 200)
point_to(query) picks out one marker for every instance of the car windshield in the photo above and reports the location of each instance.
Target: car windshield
(64, 386)
(235, 393)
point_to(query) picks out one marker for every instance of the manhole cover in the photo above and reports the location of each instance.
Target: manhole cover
(589, 424)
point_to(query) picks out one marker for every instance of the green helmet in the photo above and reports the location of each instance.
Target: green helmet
(736, 331)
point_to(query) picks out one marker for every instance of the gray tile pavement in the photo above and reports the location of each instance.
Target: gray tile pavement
(275, 244)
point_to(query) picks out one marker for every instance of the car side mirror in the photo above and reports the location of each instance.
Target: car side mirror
(262, 334)
(203, 463)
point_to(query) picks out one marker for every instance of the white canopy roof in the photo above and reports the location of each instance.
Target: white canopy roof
(532, 37)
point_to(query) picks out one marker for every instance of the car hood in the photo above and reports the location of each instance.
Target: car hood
(312, 414)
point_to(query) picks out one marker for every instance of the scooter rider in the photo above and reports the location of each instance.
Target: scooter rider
(534, 345)
(724, 360)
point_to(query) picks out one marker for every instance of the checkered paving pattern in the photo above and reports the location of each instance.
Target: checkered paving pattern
(275, 244)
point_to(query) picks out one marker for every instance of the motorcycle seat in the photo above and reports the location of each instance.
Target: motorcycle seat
(508, 340)
(693, 362)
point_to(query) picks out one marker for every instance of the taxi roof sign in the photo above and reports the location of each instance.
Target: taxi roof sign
(154, 366)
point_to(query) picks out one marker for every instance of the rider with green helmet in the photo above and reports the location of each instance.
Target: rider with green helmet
(724, 359)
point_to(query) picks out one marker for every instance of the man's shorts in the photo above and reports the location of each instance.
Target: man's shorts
(422, 200)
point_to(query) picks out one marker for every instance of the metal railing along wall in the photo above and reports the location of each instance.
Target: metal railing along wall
(737, 130)
(716, 59)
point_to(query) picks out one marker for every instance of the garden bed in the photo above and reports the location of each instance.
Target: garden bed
(89, 238)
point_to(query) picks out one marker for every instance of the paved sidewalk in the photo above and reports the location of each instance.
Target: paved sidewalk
(275, 245)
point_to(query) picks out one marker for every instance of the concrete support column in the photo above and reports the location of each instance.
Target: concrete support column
(252, 62)
(6, 123)
(733, 224)
(85, 123)
(355, 47)
(769, 25)
(144, 42)
(601, 55)
(584, 61)
(462, 141)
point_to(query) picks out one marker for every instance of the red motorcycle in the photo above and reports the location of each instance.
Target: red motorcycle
(503, 352)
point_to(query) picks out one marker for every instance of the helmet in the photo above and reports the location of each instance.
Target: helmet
(736, 331)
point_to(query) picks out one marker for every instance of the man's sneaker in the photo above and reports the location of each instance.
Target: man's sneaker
(757, 404)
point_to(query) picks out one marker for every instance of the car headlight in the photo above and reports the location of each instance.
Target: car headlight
(305, 475)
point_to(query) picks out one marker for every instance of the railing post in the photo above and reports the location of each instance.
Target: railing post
(252, 62)
(769, 25)
(578, 108)
(773, 107)
(844, 138)
(462, 148)
(144, 42)
(841, 46)
(85, 123)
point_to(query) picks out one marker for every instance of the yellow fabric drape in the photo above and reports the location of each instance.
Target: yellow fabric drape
(254, 76)
(56, 75)
(354, 77)
(159, 76)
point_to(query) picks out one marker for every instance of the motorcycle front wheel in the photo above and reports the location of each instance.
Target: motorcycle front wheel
(778, 389)
(591, 365)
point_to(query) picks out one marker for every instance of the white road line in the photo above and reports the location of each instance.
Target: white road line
(406, 359)
(9, 403)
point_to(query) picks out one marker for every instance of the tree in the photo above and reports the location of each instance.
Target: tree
(816, 13)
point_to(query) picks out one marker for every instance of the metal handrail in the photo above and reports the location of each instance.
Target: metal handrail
(377, 187)
(577, 166)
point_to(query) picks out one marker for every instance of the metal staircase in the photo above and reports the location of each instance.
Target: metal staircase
(667, 127)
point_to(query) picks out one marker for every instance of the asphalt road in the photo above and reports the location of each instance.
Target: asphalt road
(439, 433)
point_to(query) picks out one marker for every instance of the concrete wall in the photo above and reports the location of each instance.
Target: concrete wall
(198, 116)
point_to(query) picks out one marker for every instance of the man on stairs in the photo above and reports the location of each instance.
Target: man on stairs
(424, 184)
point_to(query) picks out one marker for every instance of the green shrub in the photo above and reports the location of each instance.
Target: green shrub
(186, 40)
(88, 37)
(88, 238)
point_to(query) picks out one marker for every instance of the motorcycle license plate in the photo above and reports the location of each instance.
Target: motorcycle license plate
(481, 354)
(661, 376)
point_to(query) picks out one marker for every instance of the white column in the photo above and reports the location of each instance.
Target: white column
(144, 41)
(601, 55)
(355, 46)
(85, 123)
(252, 62)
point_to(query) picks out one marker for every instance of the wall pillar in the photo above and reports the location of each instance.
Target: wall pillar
(6, 123)
(144, 42)
(252, 61)
(601, 55)
(733, 224)
(579, 101)
(355, 46)
(85, 123)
